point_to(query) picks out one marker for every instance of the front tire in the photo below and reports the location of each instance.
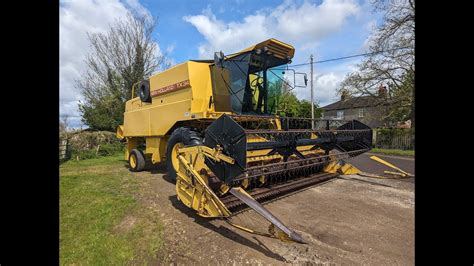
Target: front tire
(136, 160)
(180, 137)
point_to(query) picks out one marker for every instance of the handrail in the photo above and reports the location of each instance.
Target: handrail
(133, 88)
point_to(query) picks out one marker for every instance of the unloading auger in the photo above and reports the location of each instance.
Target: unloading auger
(235, 166)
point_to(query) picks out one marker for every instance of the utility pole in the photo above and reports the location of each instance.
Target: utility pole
(312, 99)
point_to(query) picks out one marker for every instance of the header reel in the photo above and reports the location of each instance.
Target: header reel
(238, 167)
(351, 139)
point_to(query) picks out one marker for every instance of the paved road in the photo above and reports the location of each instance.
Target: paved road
(365, 164)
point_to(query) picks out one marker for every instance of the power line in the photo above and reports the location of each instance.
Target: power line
(350, 56)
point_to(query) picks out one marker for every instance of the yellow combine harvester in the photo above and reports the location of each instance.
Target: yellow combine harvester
(214, 123)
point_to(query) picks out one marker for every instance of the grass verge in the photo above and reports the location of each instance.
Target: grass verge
(406, 153)
(101, 220)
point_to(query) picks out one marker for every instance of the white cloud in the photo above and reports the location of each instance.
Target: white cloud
(138, 8)
(221, 36)
(326, 82)
(76, 18)
(302, 25)
(325, 87)
(312, 22)
(170, 48)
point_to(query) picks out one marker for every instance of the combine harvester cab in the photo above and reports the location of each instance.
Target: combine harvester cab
(230, 150)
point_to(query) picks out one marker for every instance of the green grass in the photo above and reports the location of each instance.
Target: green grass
(101, 220)
(106, 149)
(406, 153)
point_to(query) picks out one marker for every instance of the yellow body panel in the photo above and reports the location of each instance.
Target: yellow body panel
(179, 94)
(156, 118)
(156, 146)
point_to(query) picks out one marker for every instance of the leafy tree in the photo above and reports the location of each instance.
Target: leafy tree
(288, 105)
(389, 65)
(283, 101)
(277, 91)
(305, 109)
(403, 107)
(121, 57)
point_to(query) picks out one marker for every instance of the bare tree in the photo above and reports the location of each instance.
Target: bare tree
(392, 60)
(63, 123)
(121, 57)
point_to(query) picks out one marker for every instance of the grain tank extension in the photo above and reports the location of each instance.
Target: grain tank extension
(213, 123)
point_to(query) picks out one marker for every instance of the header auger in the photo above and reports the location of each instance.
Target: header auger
(214, 124)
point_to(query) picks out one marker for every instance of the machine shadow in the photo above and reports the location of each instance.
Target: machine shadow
(159, 168)
(224, 231)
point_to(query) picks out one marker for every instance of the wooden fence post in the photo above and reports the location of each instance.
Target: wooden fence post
(63, 148)
(374, 138)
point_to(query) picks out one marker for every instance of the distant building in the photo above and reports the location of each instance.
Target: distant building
(370, 110)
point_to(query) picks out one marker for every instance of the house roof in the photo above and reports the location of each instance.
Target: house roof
(355, 102)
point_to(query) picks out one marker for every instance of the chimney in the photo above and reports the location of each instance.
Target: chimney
(382, 92)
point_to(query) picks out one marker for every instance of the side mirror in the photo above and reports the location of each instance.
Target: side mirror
(300, 79)
(218, 58)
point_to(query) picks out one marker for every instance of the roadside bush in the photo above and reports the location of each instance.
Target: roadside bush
(92, 144)
(102, 150)
(110, 149)
(392, 132)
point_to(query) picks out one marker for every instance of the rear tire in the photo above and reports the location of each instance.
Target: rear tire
(136, 160)
(180, 137)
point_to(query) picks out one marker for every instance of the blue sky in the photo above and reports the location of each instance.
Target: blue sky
(174, 31)
(195, 29)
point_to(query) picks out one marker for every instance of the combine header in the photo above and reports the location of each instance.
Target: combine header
(214, 123)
